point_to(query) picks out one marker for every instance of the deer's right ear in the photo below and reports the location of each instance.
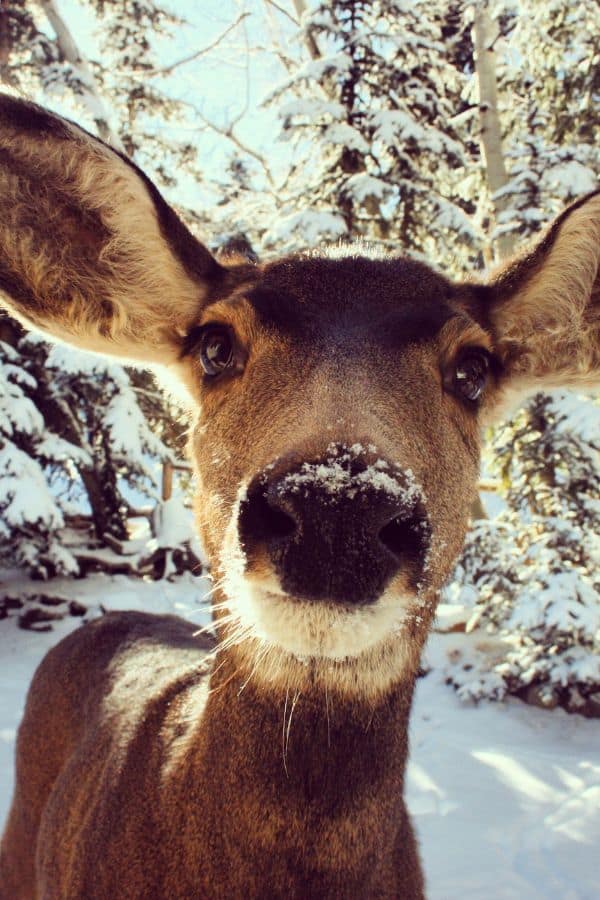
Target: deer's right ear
(543, 308)
(90, 253)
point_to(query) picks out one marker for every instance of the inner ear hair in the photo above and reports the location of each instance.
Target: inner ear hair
(90, 253)
(543, 307)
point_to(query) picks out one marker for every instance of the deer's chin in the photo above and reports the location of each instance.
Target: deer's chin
(317, 630)
(294, 647)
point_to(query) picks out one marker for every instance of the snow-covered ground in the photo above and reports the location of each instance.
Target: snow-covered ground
(505, 798)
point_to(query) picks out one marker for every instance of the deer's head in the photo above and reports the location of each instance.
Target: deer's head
(337, 399)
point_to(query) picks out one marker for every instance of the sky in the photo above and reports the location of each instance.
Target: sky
(229, 83)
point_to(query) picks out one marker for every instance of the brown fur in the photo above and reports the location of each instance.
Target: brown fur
(148, 766)
(308, 832)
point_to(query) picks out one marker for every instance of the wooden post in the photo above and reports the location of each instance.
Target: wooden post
(167, 480)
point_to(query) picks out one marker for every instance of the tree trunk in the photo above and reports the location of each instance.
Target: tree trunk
(100, 483)
(89, 89)
(491, 135)
(311, 43)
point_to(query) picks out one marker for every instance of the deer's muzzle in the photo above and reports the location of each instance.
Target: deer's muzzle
(338, 528)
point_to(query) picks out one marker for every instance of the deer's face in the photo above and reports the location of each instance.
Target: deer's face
(337, 451)
(339, 400)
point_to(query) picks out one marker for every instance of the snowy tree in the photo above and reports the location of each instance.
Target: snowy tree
(536, 567)
(76, 435)
(549, 82)
(30, 512)
(74, 440)
(368, 117)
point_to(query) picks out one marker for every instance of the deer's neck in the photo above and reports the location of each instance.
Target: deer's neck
(311, 742)
(317, 782)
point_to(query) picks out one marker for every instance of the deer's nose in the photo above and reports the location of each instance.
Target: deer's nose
(337, 529)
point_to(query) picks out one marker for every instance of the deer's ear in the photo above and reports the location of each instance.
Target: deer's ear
(543, 308)
(90, 253)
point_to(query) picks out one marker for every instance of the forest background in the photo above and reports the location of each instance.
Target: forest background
(448, 131)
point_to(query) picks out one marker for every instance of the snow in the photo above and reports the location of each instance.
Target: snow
(317, 69)
(25, 497)
(172, 523)
(341, 133)
(363, 187)
(451, 217)
(334, 475)
(310, 227)
(571, 178)
(398, 126)
(311, 109)
(505, 798)
(53, 447)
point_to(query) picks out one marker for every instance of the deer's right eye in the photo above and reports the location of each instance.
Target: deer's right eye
(216, 349)
(471, 374)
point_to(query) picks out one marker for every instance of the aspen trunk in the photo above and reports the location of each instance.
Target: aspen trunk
(491, 136)
(311, 44)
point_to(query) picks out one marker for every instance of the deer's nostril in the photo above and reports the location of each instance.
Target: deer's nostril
(262, 520)
(338, 529)
(406, 538)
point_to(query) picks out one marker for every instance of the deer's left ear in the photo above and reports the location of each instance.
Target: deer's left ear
(543, 308)
(90, 252)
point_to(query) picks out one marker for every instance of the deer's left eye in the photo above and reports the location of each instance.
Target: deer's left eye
(471, 374)
(216, 350)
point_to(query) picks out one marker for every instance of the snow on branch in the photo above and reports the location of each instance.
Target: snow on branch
(88, 88)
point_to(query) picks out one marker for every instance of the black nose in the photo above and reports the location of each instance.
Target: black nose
(339, 528)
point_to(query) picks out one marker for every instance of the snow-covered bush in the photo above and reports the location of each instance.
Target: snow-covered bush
(536, 567)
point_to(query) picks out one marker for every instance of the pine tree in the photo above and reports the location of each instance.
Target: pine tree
(550, 101)
(369, 120)
(30, 512)
(536, 567)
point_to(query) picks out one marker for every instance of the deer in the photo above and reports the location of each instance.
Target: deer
(336, 402)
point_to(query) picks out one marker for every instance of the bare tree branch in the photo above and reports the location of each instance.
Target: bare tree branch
(229, 133)
(166, 70)
(282, 11)
(246, 105)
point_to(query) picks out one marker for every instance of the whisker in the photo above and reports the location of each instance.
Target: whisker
(283, 747)
(236, 637)
(289, 726)
(210, 627)
(259, 657)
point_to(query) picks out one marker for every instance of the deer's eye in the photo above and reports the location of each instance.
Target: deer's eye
(471, 374)
(216, 349)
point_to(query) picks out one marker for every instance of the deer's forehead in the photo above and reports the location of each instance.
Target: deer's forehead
(392, 302)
